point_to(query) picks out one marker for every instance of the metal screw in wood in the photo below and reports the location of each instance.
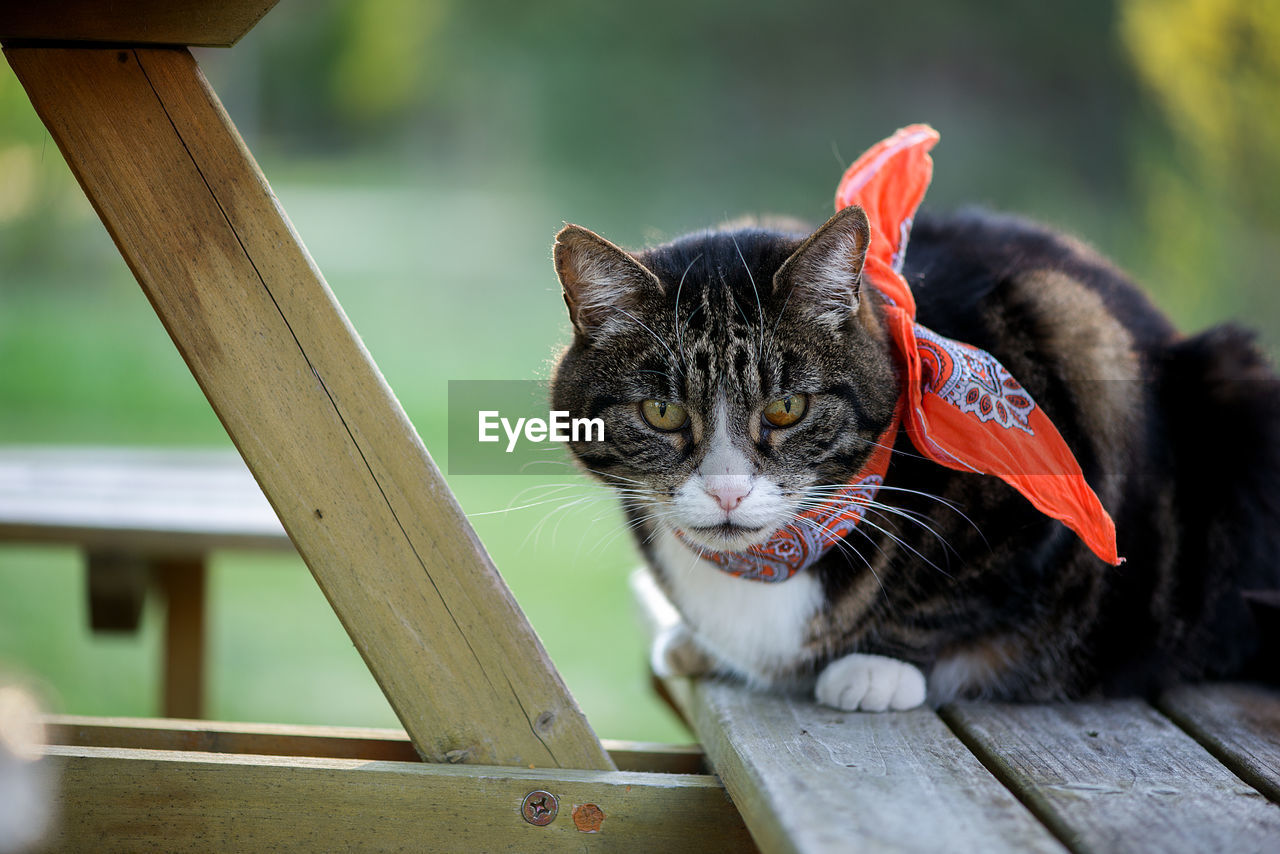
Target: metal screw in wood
(540, 807)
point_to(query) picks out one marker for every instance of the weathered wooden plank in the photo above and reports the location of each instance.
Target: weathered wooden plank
(326, 742)
(810, 779)
(144, 502)
(813, 779)
(1117, 776)
(323, 434)
(323, 742)
(141, 800)
(212, 23)
(1237, 723)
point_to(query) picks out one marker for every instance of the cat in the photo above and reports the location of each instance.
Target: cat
(744, 374)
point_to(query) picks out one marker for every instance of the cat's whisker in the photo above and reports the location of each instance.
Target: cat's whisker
(603, 474)
(675, 312)
(511, 509)
(950, 505)
(546, 499)
(814, 502)
(908, 517)
(904, 544)
(890, 448)
(535, 532)
(847, 547)
(751, 277)
(872, 506)
(816, 490)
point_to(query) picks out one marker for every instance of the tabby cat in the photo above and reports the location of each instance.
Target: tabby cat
(744, 375)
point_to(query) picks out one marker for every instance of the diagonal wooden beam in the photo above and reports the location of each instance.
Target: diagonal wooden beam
(323, 434)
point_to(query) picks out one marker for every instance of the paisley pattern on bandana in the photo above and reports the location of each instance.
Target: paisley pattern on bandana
(973, 381)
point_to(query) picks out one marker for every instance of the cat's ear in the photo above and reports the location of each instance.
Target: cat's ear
(600, 281)
(824, 275)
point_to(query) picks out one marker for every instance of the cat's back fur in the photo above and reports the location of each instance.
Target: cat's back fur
(1178, 435)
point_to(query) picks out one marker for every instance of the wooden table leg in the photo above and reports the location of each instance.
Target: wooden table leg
(183, 581)
(117, 583)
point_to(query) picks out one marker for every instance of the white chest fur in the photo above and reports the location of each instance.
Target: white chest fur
(751, 627)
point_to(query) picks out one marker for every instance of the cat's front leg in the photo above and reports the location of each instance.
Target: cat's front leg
(676, 653)
(870, 683)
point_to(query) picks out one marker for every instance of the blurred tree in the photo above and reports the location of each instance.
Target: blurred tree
(1212, 206)
(385, 65)
(1214, 66)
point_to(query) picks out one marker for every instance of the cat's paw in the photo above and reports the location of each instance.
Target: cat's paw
(870, 683)
(676, 653)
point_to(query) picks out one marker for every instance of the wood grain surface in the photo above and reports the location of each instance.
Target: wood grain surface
(154, 800)
(1117, 776)
(1237, 723)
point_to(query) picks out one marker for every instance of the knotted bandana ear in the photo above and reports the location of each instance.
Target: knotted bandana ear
(960, 406)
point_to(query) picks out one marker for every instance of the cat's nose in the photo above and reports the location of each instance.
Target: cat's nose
(728, 490)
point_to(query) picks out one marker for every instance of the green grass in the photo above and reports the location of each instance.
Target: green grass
(84, 360)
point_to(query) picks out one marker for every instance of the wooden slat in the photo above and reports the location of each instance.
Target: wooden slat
(146, 502)
(813, 779)
(1117, 776)
(326, 742)
(326, 439)
(212, 23)
(135, 800)
(228, 737)
(1239, 724)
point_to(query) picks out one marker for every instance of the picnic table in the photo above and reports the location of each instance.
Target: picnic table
(144, 519)
(495, 753)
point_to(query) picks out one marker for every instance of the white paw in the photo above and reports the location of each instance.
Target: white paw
(676, 653)
(870, 683)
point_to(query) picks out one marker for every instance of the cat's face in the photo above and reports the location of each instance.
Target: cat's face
(737, 373)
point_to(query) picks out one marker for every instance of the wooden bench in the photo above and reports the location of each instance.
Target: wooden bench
(1198, 770)
(144, 519)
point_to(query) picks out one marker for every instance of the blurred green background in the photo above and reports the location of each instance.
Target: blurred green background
(427, 151)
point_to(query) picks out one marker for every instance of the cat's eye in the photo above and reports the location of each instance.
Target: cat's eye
(662, 415)
(786, 411)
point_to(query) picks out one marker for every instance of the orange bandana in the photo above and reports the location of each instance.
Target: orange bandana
(959, 405)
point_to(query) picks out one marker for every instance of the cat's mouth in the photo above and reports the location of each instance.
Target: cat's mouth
(728, 536)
